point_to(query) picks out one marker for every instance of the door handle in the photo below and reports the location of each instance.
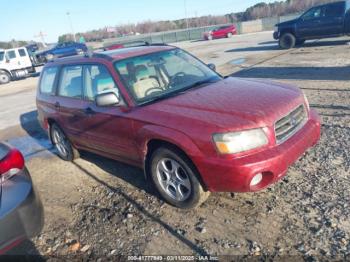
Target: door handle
(89, 111)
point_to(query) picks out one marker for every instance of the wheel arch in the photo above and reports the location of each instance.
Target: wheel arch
(6, 71)
(286, 31)
(152, 137)
(154, 144)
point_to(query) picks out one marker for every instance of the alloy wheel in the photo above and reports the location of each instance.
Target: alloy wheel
(60, 142)
(173, 179)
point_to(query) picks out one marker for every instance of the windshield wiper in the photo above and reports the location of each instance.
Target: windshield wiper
(181, 91)
(199, 84)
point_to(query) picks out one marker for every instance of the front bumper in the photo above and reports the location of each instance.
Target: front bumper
(21, 211)
(276, 35)
(235, 175)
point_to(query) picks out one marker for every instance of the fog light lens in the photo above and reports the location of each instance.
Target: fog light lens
(256, 180)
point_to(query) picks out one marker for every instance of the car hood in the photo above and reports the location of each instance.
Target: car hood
(287, 23)
(231, 104)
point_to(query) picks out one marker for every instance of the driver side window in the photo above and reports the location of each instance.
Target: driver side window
(98, 80)
(313, 13)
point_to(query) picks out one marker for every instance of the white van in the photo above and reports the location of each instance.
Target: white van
(15, 63)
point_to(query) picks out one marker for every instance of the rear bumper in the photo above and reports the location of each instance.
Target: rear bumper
(235, 175)
(25, 219)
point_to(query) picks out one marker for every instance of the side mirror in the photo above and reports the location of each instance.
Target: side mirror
(212, 67)
(107, 99)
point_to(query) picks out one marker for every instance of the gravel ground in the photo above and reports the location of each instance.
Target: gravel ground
(101, 208)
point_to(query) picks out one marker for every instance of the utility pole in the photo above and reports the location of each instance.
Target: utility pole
(41, 35)
(187, 23)
(71, 26)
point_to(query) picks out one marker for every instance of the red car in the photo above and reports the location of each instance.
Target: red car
(221, 32)
(161, 109)
(113, 47)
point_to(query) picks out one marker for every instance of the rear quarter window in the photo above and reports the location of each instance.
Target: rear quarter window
(48, 80)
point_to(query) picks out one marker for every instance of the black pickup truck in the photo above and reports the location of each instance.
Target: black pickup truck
(323, 21)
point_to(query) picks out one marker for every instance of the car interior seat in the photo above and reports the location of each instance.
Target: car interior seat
(144, 82)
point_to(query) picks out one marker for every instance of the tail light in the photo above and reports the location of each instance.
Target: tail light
(11, 164)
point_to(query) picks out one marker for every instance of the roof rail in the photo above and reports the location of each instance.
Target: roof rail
(136, 44)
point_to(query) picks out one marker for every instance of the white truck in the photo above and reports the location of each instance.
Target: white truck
(15, 63)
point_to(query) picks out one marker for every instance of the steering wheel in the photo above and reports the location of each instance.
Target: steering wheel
(174, 78)
(152, 90)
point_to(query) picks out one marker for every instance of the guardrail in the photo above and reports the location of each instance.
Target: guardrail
(196, 33)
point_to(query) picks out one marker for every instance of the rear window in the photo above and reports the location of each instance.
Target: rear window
(3, 151)
(22, 52)
(48, 80)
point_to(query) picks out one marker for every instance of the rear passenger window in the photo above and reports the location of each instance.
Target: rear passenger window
(71, 82)
(22, 52)
(335, 10)
(98, 80)
(48, 80)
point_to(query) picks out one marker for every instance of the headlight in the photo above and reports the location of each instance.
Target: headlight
(307, 102)
(236, 142)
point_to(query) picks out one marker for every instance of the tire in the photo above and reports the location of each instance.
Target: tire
(4, 77)
(287, 41)
(171, 169)
(299, 42)
(229, 35)
(64, 148)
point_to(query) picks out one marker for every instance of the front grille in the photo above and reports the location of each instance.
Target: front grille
(290, 124)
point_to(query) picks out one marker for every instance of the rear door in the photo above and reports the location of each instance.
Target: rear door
(71, 105)
(24, 57)
(333, 20)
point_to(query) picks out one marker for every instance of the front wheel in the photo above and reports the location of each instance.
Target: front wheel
(4, 77)
(287, 41)
(64, 148)
(176, 178)
(229, 35)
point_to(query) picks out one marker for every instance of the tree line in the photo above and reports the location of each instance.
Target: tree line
(260, 10)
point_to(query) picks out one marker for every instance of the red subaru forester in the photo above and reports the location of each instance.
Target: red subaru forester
(191, 130)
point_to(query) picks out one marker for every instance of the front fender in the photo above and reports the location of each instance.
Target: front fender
(177, 138)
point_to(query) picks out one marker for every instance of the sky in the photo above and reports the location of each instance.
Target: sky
(24, 19)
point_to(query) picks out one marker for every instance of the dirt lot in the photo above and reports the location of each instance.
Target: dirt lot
(98, 207)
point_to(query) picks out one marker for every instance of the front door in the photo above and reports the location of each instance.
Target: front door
(309, 24)
(108, 128)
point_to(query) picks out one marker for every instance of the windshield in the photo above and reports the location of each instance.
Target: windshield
(2, 54)
(159, 75)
